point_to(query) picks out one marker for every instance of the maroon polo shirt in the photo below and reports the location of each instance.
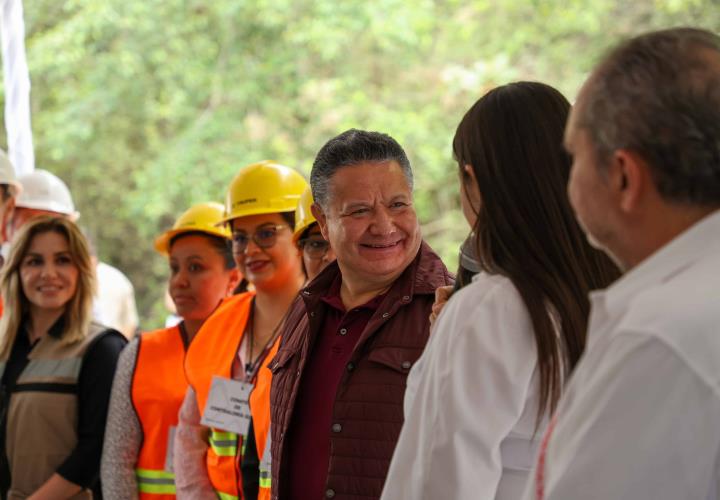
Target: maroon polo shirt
(308, 438)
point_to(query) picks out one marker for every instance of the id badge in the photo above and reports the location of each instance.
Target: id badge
(228, 406)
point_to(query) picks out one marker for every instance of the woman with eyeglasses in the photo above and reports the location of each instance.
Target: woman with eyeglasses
(223, 362)
(150, 384)
(316, 255)
(316, 251)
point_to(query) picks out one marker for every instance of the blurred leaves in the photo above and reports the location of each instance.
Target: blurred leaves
(147, 106)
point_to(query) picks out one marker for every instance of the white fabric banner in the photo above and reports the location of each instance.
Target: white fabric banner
(17, 87)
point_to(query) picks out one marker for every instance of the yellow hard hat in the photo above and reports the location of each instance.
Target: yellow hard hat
(201, 217)
(304, 217)
(263, 188)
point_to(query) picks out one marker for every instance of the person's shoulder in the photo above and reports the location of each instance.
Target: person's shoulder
(683, 311)
(294, 317)
(160, 336)
(688, 328)
(431, 272)
(490, 302)
(487, 319)
(105, 342)
(230, 306)
(489, 291)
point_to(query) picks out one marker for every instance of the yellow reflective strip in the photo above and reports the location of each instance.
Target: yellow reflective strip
(156, 489)
(225, 496)
(224, 444)
(266, 483)
(222, 436)
(224, 451)
(155, 482)
(155, 474)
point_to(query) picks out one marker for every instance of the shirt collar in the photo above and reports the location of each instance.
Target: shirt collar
(332, 297)
(698, 242)
(55, 331)
(424, 274)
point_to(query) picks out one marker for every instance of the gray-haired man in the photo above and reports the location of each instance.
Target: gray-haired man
(356, 330)
(640, 419)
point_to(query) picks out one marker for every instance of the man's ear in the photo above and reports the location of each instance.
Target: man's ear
(321, 218)
(630, 178)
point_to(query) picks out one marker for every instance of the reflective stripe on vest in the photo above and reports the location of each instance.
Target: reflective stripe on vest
(266, 469)
(158, 389)
(224, 444)
(58, 376)
(60, 370)
(225, 496)
(211, 353)
(155, 482)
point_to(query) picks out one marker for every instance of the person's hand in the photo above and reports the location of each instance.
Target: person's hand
(442, 295)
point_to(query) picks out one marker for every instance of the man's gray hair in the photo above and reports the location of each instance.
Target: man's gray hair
(353, 147)
(659, 95)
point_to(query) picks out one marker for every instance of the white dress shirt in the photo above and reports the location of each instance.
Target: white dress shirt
(471, 401)
(641, 416)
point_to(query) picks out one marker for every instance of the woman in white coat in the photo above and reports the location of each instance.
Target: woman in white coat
(480, 396)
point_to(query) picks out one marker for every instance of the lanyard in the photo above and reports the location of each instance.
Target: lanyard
(251, 367)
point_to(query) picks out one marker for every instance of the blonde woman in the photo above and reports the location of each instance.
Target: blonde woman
(56, 366)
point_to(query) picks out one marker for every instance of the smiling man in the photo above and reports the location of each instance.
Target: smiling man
(355, 331)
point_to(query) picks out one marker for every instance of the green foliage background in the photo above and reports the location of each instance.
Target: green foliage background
(145, 106)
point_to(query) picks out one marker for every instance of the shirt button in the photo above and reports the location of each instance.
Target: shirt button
(385, 315)
(350, 367)
(329, 493)
(406, 365)
(343, 331)
(305, 292)
(406, 298)
(337, 428)
(312, 314)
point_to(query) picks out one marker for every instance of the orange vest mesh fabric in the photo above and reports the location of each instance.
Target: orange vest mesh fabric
(158, 389)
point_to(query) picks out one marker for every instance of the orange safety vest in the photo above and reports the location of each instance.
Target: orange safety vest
(213, 352)
(158, 390)
(260, 409)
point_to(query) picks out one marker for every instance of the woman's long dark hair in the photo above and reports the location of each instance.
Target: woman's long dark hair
(525, 229)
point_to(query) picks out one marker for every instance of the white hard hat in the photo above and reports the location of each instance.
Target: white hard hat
(7, 174)
(42, 190)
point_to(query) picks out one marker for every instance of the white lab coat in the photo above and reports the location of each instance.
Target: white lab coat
(471, 401)
(641, 416)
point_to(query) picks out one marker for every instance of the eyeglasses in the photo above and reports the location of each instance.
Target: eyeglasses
(315, 248)
(264, 237)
